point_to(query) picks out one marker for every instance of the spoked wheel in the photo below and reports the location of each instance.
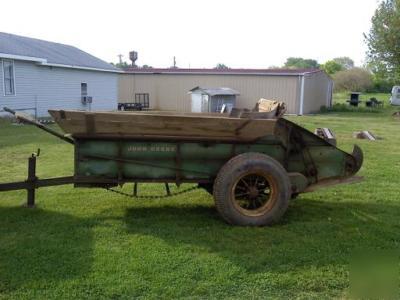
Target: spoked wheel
(253, 194)
(252, 189)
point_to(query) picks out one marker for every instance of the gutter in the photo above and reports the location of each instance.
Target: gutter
(218, 73)
(79, 67)
(43, 62)
(22, 57)
(301, 108)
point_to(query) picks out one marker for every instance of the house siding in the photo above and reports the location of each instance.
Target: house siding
(170, 91)
(45, 88)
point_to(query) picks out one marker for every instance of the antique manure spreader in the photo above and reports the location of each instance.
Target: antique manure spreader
(252, 166)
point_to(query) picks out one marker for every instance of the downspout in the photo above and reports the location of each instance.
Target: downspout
(330, 92)
(301, 95)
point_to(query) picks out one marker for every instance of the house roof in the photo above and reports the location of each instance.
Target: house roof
(272, 72)
(50, 54)
(215, 91)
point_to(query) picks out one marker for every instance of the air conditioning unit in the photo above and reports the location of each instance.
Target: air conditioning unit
(86, 99)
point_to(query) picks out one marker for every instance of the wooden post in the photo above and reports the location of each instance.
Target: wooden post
(31, 181)
(167, 189)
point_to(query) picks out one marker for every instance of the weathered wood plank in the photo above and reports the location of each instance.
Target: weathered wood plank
(185, 126)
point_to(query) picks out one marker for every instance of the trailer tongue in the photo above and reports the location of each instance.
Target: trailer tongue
(251, 166)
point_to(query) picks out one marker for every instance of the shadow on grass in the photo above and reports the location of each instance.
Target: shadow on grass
(39, 247)
(312, 233)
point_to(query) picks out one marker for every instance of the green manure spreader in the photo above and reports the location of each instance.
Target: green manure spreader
(251, 165)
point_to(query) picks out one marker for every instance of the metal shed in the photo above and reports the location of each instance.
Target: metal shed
(304, 91)
(212, 99)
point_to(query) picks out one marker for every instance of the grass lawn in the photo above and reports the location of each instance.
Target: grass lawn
(89, 243)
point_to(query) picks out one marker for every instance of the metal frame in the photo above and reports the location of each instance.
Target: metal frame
(33, 182)
(143, 98)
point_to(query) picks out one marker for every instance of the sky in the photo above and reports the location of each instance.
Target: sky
(200, 34)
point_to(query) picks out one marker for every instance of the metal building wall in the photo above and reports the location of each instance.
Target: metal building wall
(170, 91)
(317, 92)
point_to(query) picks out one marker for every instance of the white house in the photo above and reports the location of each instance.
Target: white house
(38, 75)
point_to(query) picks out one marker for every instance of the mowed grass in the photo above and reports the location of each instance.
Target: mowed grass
(92, 244)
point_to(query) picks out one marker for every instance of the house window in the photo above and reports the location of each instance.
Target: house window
(8, 77)
(83, 89)
(143, 99)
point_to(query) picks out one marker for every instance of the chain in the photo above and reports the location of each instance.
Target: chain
(153, 196)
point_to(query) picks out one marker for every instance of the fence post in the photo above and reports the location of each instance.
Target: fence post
(31, 180)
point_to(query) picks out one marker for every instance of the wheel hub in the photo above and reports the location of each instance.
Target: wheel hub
(253, 192)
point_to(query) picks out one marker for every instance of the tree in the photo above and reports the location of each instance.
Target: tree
(383, 40)
(121, 65)
(356, 80)
(220, 66)
(331, 67)
(301, 63)
(346, 62)
(383, 82)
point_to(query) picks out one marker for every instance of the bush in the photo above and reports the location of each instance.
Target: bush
(331, 67)
(355, 79)
(341, 107)
(381, 85)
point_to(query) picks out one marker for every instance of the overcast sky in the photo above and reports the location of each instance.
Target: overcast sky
(238, 33)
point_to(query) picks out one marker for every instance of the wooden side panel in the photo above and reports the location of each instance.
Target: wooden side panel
(191, 126)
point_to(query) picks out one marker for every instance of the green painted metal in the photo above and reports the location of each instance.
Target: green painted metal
(157, 160)
(302, 153)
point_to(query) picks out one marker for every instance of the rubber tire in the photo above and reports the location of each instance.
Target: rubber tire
(233, 169)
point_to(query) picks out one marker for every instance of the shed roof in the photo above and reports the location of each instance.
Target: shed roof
(50, 53)
(215, 91)
(271, 72)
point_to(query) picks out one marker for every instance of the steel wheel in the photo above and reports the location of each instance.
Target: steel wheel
(252, 189)
(254, 194)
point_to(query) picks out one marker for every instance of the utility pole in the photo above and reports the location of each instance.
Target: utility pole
(120, 58)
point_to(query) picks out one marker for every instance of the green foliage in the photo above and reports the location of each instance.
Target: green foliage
(381, 84)
(345, 62)
(121, 65)
(383, 40)
(301, 63)
(382, 81)
(341, 107)
(331, 67)
(220, 66)
(356, 80)
(124, 65)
